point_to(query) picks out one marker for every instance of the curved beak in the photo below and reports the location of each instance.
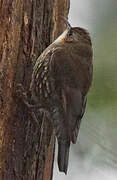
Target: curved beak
(62, 37)
(66, 22)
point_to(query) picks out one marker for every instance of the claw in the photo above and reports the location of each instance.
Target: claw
(20, 91)
(21, 94)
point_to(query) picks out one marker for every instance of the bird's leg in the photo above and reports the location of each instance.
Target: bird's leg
(22, 95)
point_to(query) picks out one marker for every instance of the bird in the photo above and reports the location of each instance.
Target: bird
(61, 79)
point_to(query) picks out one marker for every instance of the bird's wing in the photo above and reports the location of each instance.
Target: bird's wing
(72, 81)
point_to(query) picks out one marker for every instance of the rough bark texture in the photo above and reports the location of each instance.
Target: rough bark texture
(27, 27)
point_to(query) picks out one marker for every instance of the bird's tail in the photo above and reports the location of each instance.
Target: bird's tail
(63, 155)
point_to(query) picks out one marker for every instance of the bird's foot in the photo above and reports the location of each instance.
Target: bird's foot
(34, 109)
(22, 95)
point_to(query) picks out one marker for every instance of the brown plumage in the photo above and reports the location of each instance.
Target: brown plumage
(61, 80)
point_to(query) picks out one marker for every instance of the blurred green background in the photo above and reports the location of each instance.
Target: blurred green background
(95, 155)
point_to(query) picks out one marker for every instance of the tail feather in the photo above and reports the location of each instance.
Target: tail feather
(63, 156)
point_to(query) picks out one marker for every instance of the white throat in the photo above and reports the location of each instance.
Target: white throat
(59, 39)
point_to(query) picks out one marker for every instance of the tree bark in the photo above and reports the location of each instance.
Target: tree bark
(27, 27)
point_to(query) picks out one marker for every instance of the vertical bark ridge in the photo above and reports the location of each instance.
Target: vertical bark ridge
(26, 29)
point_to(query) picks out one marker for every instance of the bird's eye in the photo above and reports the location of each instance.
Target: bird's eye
(70, 33)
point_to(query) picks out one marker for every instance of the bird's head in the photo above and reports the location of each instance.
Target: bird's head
(73, 34)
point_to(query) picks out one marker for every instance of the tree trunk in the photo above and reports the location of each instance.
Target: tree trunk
(27, 27)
